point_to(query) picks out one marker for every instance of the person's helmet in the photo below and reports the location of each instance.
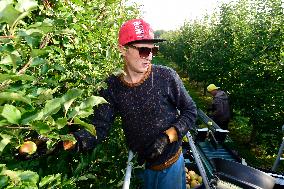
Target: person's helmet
(136, 30)
(212, 87)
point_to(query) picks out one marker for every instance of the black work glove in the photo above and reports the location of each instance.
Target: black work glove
(85, 141)
(157, 147)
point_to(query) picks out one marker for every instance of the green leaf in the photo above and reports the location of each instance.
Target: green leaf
(29, 33)
(28, 176)
(40, 126)
(39, 52)
(58, 67)
(45, 94)
(52, 135)
(11, 59)
(71, 94)
(87, 126)
(46, 26)
(11, 113)
(7, 96)
(67, 105)
(86, 107)
(44, 69)
(23, 77)
(52, 106)
(4, 122)
(32, 36)
(33, 117)
(50, 144)
(49, 120)
(22, 179)
(61, 122)
(26, 5)
(8, 60)
(50, 179)
(37, 61)
(8, 13)
(68, 137)
(2, 167)
(33, 41)
(7, 47)
(92, 101)
(6, 139)
(13, 175)
(33, 32)
(3, 181)
(81, 113)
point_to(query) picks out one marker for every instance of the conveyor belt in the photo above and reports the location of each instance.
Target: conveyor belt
(211, 152)
(212, 147)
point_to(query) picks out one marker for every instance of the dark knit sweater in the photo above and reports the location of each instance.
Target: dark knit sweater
(147, 110)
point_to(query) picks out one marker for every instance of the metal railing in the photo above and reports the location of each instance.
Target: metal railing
(127, 177)
(280, 152)
(198, 161)
(207, 120)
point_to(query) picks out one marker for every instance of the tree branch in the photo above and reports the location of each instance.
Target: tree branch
(7, 37)
(9, 127)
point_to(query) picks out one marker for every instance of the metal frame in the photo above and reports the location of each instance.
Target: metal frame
(279, 158)
(127, 177)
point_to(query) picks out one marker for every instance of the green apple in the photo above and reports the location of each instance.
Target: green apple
(199, 179)
(194, 183)
(28, 147)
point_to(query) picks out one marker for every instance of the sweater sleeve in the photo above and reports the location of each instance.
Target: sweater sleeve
(185, 105)
(102, 120)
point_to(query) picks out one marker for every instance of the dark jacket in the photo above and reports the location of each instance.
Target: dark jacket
(220, 107)
(147, 110)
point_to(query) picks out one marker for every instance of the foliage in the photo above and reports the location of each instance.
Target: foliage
(54, 57)
(158, 33)
(241, 50)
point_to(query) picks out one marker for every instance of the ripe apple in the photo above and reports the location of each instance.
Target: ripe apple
(68, 144)
(28, 147)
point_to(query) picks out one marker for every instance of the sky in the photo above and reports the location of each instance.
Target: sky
(171, 14)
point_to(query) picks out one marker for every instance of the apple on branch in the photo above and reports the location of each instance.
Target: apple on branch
(28, 147)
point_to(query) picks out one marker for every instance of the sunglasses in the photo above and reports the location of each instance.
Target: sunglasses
(145, 51)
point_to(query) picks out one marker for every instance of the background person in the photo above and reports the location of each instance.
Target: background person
(155, 109)
(220, 109)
